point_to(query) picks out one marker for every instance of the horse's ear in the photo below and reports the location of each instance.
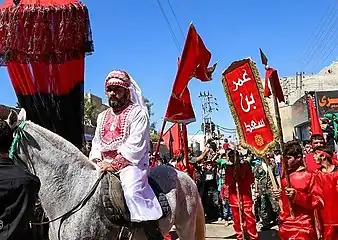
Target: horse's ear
(22, 115)
(12, 119)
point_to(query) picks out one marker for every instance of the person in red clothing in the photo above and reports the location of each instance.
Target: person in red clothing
(190, 169)
(311, 165)
(245, 179)
(226, 144)
(304, 195)
(328, 174)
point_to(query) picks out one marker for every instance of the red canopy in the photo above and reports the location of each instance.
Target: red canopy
(43, 43)
(44, 31)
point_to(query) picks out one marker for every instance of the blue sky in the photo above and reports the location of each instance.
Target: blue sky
(133, 35)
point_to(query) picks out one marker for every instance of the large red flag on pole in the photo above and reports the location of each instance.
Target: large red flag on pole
(193, 63)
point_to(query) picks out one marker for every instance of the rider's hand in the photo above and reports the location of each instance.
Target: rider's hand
(105, 166)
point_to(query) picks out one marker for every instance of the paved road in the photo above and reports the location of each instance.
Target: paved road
(218, 231)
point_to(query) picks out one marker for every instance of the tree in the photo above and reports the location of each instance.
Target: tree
(90, 111)
(149, 106)
(153, 133)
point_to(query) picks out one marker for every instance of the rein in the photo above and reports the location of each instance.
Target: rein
(18, 137)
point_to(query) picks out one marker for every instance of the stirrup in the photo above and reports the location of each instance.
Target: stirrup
(125, 233)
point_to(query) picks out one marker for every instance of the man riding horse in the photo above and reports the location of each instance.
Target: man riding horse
(122, 142)
(19, 191)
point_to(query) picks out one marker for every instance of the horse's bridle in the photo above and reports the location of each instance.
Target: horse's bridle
(19, 135)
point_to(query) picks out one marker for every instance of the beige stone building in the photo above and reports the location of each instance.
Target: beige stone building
(294, 114)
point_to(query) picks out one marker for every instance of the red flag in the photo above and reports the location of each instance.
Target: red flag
(315, 125)
(243, 89)
(272, 73)
(172, 137)
(193, 63)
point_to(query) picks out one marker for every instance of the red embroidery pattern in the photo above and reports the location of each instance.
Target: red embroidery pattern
(119, 133)
(110, 155)
(120, 163)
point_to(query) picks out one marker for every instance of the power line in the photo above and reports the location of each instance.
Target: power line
(169, 27)
(177, 22)
(325, 39)
(321, 29)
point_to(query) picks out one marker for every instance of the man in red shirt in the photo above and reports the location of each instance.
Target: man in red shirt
(311, 165)
(304, 194)
(245, 178)
(328, 174)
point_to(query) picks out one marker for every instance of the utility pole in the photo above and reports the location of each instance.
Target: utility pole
(209, 104)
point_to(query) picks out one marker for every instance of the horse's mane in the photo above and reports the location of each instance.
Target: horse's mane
(60, 144)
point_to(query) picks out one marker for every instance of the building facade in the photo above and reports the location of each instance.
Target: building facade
(294, 112)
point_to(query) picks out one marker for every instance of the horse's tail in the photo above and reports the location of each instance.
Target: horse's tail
(200, 221)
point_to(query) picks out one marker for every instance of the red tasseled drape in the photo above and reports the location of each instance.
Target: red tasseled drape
(44, 31)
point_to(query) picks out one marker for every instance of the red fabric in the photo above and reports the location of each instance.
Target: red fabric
(330, 233)
(120, 162)
(194, 63)
(315, 125)
(174, 131)
(225, 192)
(255, 135)
(246, 178)
(249, 222)
(167, 237)
(307, 198)
(226, 146)
(310, 163)
(41, 78)
(50, 31)
(190, 169)
(329, 213)
(272, 73)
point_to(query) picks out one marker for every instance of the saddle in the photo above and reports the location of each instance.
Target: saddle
(115, 208)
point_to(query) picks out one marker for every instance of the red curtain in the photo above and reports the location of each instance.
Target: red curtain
(52, 95)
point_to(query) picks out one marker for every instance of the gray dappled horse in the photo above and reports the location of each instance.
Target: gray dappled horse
(67, 177)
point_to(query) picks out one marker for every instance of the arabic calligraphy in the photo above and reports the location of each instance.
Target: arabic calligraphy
(325, 101)
(240, 82)
(254, 126)
(248, 102)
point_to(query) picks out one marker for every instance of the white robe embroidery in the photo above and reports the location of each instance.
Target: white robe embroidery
(140, 198)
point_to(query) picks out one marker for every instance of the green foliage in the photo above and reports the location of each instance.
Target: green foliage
(90, 112)
(149, 106)
(154, 137)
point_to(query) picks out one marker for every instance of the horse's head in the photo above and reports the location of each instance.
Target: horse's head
(34, 144)
(14, 119)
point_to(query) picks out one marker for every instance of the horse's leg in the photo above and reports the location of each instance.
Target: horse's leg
(189, 219)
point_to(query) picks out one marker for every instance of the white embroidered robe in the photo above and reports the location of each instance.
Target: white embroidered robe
(127, 134)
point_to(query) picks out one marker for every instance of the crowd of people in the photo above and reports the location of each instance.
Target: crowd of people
(299, 200)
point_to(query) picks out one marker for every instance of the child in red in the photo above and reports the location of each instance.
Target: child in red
(245, 180)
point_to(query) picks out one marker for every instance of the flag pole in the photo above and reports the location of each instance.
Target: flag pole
(239, 196)
(279, 124)
(159, 143)
(185, 144)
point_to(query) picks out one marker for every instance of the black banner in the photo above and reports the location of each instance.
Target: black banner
(327, 102)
